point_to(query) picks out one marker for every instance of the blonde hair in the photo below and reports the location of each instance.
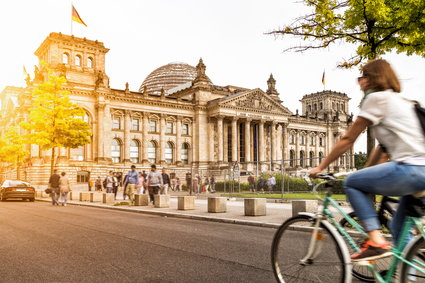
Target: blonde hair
(381, 76)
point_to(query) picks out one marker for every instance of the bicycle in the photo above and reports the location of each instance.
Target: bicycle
(315, 247)
(386, 209)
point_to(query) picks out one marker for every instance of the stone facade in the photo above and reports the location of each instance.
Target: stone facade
(189, 125)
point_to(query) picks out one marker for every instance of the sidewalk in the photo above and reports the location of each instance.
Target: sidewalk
(277, 213)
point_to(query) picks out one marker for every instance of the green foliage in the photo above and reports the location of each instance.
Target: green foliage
(54, 121)
(12, 147)
(374, 27)
(360, 160)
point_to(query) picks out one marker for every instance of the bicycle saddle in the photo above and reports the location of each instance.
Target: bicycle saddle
(415, 207)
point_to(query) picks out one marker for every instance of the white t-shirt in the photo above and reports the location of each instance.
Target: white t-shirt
(395, 125)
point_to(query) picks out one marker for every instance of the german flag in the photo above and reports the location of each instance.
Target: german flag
(76, 17)
(323, 78)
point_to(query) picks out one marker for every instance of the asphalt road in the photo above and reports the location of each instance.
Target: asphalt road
(42, 243)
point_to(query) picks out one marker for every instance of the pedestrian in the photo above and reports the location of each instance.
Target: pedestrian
(206, 184)
(90, 184)
(140, 186)
(131, 182)
(173, 182)
(189, 183)
(124, 190)
(195, 184)
(54, 186)
(178, 184)
(110, 182)
(165, 182)
(261, 184)
(212, 184)
(271, 182)
(145, 179)
(396, 126)
(251, 182)
(154, 182)
(64, 188)
(98, 184)
(115, 184)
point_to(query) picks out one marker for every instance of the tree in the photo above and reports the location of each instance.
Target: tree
(360, 160)
(12, 149)
(374, 27)
(54, 121)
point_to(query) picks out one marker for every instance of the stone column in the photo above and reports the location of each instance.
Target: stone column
(297, 149)
(285, 142)
(261, 144)
(273, 143)
(220, 138)
(145, 141)
(100, 118)
(316, 149)
(248, 140)
(211, 134)
(307, 149)
(234, 139)
(162, 140)
(178, 137)
(127, 127)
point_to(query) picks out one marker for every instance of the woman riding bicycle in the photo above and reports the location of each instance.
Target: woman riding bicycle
(395, 125)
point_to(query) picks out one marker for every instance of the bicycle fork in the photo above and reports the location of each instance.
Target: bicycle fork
(316, 242)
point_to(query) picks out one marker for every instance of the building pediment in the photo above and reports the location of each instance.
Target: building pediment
(255, 100)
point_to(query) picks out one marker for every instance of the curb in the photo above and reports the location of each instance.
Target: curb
(177, 215)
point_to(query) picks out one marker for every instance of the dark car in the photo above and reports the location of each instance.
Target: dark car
(16, 189)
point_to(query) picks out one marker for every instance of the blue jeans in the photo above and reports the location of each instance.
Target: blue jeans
(389, 179)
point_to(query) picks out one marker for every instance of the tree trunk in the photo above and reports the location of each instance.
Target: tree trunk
(52, 162)
(370, 141)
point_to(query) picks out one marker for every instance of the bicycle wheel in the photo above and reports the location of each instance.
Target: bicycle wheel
(362, 272)
(290, 247)
(415, 254)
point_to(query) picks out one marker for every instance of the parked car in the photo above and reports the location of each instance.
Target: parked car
(17, 189)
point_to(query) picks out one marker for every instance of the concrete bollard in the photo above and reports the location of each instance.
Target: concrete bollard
(186, 202)
(255, 206)
(74, 195)
(38, 194)
(304, 206)
(161, 201)
(108, 198)
(84, 196)
(141, 200)
(217, 204)
(96, 197)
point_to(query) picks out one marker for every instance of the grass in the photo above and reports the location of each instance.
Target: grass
(286, 196)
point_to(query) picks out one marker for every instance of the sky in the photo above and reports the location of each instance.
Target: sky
(230, 37)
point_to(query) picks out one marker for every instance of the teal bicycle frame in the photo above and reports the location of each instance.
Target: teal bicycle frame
(397, 250)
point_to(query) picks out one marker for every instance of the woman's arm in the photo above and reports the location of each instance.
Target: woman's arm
(345, 143)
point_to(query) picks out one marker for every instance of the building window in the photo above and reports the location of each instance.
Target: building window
(77, 153)
(78, 60)
(320, 141)
(116, 151)
(311, 140)
(229, 144)
(309, 108)
(241, 143)
(301, 158)
(185, 153)
(315, 107)
(65, 58)
(302, 139)
(169, 129)
(116, 123)
(134, 151)
(292, 139)
(310, 159)
(135, 125)
(321, 105)
(320, 157)
(152, 127)
(342, 107)
(90, 62)
(185, 129)
(169, 153)
(291, 158)
(83, 176)
(152, 152)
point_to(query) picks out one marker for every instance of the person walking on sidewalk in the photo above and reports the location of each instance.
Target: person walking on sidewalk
(54, 186)
(110, 182)
(141, 184)
(271, 182)
(165, 182)
(154, 182)
(212, 184)
(131, 182)
(251, 182)
(261, 184)
(195, 184)
(98, 184)
(206, 184)
(178, 184)
(115, 185)
(189, 183)
(64, 188)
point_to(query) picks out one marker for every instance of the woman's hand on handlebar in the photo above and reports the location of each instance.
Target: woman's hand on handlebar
(314, 172)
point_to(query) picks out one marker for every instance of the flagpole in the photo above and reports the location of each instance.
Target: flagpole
(71, 17)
